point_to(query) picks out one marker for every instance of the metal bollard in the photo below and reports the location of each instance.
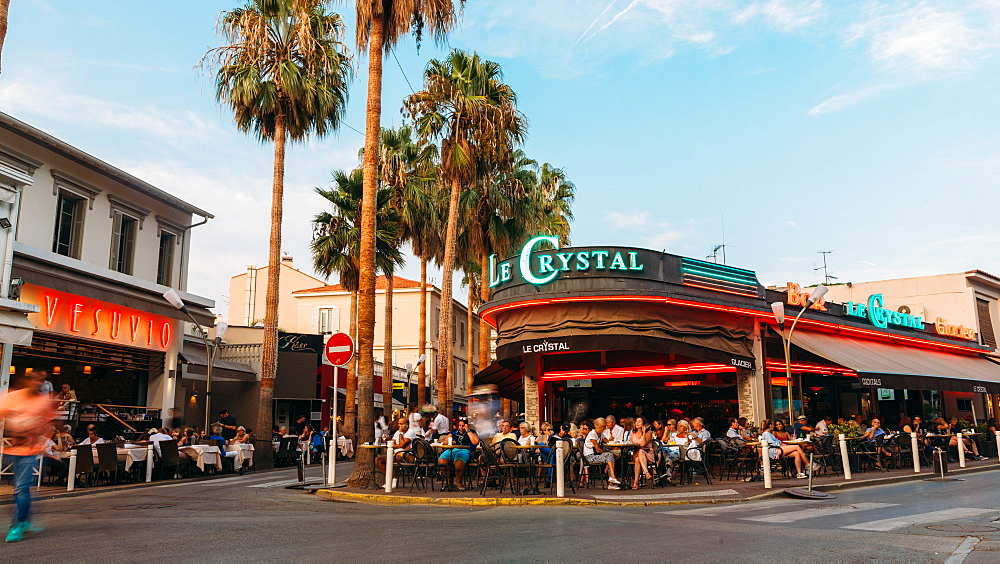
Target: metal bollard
(300, 466)
(916, 453)
(844, 458)
(389, 456)
(71, 476)
(765, 463)
(961, 450)
(149, 463)
(322, 467)
(560, 469)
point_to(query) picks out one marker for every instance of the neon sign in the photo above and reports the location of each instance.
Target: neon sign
(797, 297)
(77, 316)
(942, 327)
(544, 268)
(880, 316)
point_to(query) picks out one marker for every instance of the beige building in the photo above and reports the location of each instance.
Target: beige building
(247, 293)
(962, 304)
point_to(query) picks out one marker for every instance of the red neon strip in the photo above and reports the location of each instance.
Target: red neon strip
(638, 372)
(688, 383)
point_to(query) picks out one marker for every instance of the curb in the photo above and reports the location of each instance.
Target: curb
(383, 499)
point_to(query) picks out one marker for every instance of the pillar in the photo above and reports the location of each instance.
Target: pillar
(532, 391)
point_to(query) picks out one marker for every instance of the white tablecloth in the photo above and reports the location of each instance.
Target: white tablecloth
(244, 451)
(129, 456)
(204, 454)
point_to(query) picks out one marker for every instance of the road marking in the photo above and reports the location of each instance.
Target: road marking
(716, 510)
(962, 551)
(792, 516)
(670, 495)
(276, 484)
(931, 517)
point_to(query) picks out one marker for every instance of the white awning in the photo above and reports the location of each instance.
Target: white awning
(15, 328)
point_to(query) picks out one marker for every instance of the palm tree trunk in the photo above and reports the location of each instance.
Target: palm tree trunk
(484, 328)
(4, 8)
(366, 299)
(470, 338)
(351, 389)
(387, 349)
(444, 358)
(422, 374)
(269, 353)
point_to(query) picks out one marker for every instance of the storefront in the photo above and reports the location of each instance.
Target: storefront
(584, 332)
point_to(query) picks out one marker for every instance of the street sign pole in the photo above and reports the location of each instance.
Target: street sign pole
(339, 351)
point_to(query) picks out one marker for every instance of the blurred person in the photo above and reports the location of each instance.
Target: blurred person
(26, 412)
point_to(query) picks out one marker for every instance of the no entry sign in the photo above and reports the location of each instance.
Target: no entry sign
(339, 349)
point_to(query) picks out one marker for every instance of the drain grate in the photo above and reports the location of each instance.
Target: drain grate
(963, 528)
(142, 506)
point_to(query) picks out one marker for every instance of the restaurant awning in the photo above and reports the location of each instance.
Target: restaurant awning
(882, 365)
(222, 370)
(15, 328)
(506, 375)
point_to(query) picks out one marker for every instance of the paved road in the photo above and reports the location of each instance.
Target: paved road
(255, 518)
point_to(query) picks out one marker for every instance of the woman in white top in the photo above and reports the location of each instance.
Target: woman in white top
(789, 451)
(92, 438)
(415, 419)
(527, 437)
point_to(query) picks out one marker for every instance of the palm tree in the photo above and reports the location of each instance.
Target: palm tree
(4, 9)
(466, 107)
(379, 26)
(336, 246)
(284, 73)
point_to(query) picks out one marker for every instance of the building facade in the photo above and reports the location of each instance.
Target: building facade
(93, 252)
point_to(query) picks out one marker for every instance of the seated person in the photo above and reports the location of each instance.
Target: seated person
(642, 437)
(779, 450)
(682, 436)
(276, 433)
(594, 453)
(454, 460)
(217, 435)
(401, 440)
(188, 438)
(526, 437)
(944, 428)
(869, 439)
(55, 464)
(157, 435)
(504, 433)
(823, 426)
(65, 440)
(92, 437)
(241, 435)
(780, 432)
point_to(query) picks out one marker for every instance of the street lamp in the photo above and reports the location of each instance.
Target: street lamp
(409, 372)
(779, 315)
(210, 346)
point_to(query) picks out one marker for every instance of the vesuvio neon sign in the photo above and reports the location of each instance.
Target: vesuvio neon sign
(880, 316)
(547, 267)
(70, 314)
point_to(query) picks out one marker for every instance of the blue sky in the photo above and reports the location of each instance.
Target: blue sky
(865, 128)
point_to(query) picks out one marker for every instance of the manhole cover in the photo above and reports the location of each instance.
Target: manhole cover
(963, 528)
(140, 506)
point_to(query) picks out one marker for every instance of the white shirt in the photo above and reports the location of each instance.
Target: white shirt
(733, 433)
(523, 440)
(87, 441)
(617, 433)
(415, 419)
(588, 445)
(156, 441)
(703, 435)
(412, 433)
(441, 424)
(821, 427)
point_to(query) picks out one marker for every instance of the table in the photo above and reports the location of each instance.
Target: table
(244, 453)
(372, 484)
(202, 454)
(532, 489)
(624, 462)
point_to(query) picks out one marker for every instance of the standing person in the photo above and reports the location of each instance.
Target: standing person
(26, 413)
(176, 421)
(227, 423)
(439, 425)
(415, 419)
(46, 386)
(381, 427)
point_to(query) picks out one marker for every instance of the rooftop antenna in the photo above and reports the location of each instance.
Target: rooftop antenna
(715, 253)
(715, 250)
(826, 272)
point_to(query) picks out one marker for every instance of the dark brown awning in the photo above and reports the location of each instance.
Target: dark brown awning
(507, 375)
(222, 370)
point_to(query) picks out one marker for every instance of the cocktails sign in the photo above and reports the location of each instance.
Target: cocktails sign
(880, 316)
(540, 269)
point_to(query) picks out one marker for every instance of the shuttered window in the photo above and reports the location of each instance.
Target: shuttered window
(985, 323)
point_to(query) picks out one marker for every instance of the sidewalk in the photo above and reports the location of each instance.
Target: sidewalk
(720, 491)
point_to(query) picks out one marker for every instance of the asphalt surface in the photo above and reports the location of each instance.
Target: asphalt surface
(255, 518)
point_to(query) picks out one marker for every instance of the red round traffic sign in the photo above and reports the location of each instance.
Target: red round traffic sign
(339, 349)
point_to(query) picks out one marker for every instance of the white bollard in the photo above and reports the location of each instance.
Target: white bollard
(844, 458)
(961, 450)
(560, 469)
(914, 446)
(998, 444)
(765, 462)
(71, 476)
(149, 463)
(389, 456)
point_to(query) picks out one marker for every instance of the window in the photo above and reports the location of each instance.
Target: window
(964, 404)
(165, 262)
(329, 320)
(123, 230)
(461, 334)
(69, 225)
(985, 323)
(435, 324)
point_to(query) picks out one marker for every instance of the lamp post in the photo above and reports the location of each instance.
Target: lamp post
(210, 346)
(786, 339)
(409, 373)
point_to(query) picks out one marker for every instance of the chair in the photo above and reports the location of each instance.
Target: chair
(694, 459)
(85, 461)
(170, 458)
(826, 454)
(107, 462)
(870, 455)
(901, 448)
(490, 461)
(424, 463)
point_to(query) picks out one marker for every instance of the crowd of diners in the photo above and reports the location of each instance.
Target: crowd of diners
(656, 443)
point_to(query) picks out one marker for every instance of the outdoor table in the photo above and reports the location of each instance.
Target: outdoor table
(532, 489)
(244, 452)
(202, 454)
(624, 462)
(449, 487)
(372, 485)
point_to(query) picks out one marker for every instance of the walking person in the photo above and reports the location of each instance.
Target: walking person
(26, 413)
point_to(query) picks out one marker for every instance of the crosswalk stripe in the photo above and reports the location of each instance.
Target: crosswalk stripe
(930, 517)
(716, 493)
(793, 516)
(275, 484)
(719, 508)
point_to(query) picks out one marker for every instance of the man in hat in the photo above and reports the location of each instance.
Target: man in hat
(801, 428)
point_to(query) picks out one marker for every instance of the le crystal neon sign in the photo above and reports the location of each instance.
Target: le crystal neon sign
(880, 316)
(546, 268)
(70, 314)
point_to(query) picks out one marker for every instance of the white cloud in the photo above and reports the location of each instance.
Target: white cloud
(783, 15)
(841, 101)
(792, 224)
(650, 233)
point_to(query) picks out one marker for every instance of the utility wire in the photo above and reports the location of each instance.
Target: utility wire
(412, 91)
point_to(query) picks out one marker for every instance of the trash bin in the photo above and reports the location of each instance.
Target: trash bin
(940, 462)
